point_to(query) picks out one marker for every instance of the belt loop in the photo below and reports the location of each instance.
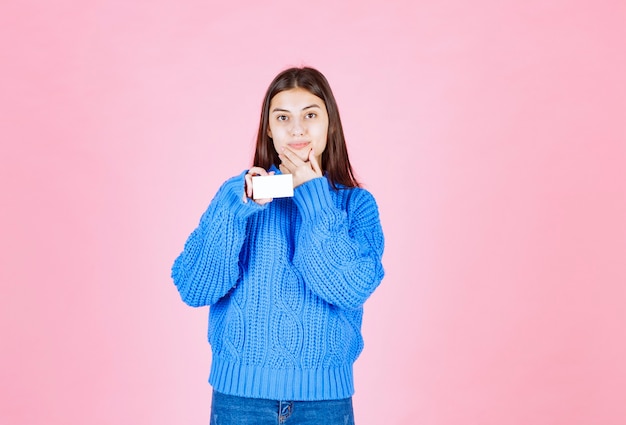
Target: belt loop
(284, 410)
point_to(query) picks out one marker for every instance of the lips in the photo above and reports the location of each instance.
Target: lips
(298, 145)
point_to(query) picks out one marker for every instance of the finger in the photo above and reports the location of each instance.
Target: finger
(263, 201)
(248, 185)
(293, 157)
(257, 171)
(254, 171)
(287, 162)
(314, 163)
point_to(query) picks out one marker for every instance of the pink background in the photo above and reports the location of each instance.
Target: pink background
(492, 134)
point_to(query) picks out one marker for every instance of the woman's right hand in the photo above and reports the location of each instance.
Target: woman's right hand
(255, 171)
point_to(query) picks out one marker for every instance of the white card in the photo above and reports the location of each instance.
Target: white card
(276, 186)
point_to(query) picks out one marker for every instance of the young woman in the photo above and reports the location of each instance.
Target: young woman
(286, 278)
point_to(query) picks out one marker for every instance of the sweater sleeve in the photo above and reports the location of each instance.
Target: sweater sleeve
(209, 265)
(339, 252)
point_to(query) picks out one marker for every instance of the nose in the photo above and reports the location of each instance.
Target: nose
(297, 129)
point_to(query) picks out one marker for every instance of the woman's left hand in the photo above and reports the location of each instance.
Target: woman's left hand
(302, 171)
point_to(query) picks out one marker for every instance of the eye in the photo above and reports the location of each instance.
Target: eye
(311, 115)
(281, 117)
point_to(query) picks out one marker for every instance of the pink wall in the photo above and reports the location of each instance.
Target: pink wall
(492, 134)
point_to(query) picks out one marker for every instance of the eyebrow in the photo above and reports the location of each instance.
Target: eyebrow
(314, 105)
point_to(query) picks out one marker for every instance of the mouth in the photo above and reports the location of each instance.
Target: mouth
(298, 145)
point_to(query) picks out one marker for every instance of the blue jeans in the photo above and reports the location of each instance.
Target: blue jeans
(233, 410)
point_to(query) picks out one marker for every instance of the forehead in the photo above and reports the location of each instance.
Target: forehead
(295, 99)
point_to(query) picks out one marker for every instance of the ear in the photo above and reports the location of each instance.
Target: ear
(269, 132)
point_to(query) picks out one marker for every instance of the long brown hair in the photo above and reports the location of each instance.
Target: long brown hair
(335, 159)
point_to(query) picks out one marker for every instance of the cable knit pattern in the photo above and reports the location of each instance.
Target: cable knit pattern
(286, 283)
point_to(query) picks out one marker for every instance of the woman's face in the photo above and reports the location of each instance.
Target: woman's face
(298, 120)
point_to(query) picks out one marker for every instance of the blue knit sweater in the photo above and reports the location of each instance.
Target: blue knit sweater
(286, 283)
